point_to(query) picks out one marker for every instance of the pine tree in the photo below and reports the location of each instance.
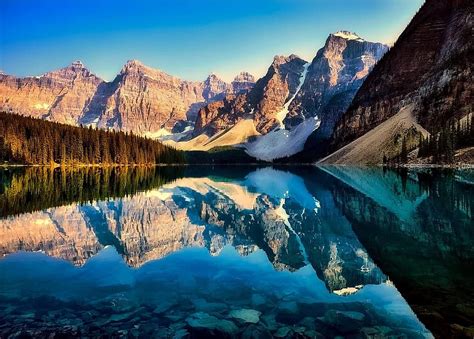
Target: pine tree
(35, 141)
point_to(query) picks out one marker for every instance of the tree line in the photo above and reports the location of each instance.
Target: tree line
(441, 145)
(25, 140)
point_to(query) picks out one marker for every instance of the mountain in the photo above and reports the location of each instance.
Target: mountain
(64, 95)
(422, 83)
(141, 99)
(243, 82)
(334, 76)
(148, 101)
(292, 101)
(261, 103)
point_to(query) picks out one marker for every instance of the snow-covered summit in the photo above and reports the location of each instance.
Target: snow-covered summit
(348, 36)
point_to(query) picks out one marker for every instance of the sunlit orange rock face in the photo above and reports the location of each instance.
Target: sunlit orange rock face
(140, 99)
(64, 95)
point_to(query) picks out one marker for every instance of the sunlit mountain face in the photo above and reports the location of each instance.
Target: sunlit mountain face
(236, 251)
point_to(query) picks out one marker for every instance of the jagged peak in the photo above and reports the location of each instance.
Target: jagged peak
(133, 65)
(75, 67)
(281, 59)
(347, 35)
(134, 62)
(136, 66)
(213, 76)
(77, 64)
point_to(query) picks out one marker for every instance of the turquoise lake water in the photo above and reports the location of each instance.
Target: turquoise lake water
(236, 252)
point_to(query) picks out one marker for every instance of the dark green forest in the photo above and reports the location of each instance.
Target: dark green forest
(31, 141)
(441, 145)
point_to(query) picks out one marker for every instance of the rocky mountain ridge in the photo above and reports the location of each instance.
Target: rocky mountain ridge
(261, 103)
(425, 78)
(294, 100)
(140, 99)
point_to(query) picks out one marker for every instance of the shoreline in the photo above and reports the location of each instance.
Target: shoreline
(407, 166)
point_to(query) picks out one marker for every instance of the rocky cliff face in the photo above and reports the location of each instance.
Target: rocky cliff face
(294, 92)
(140, 99)
(429, 69)
(65, 95)
(333, 78)
(262, 103)
(146, 100)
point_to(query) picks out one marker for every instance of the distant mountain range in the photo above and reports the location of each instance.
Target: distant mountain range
(274, 119)
(289, 102)
(299, 111)
(140, 99)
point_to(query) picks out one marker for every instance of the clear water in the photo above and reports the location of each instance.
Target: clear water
(236, 252)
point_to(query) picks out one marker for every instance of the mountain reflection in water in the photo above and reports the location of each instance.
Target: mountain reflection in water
(242, 251)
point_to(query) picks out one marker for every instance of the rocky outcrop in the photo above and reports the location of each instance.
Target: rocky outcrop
(334, 76)
(65, 95)
(243, 82)
(146, 100)
(292, 92)
(261, 103)
(141, 99)
(429, 68)
(215, 88)
(219, 115)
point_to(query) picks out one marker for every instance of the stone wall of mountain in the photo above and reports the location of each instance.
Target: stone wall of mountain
(61, 95)
(293, 90)
(334, 76)
(261, 103)
(140, 99)
(429, 71)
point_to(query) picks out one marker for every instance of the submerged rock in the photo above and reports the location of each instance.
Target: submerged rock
(205, 306)
(201, 320)
(246, 315)
(288, 312)
(163, 307)
(258, 299)
(182, 333)
(288, 307)
(269, 321)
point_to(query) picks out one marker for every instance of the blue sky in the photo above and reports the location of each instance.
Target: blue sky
(189, 39)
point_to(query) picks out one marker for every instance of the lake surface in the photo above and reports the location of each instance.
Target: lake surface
(237, 251)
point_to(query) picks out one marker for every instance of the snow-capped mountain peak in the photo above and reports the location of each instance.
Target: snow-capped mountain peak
(348, 36)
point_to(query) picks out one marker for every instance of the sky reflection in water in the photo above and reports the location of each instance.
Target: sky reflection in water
(234, 252)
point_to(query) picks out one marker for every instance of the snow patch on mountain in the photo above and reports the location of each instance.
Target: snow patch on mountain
(348, 36)
(281, 115)
(281, 143)
(176, 137)
(158, 134)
